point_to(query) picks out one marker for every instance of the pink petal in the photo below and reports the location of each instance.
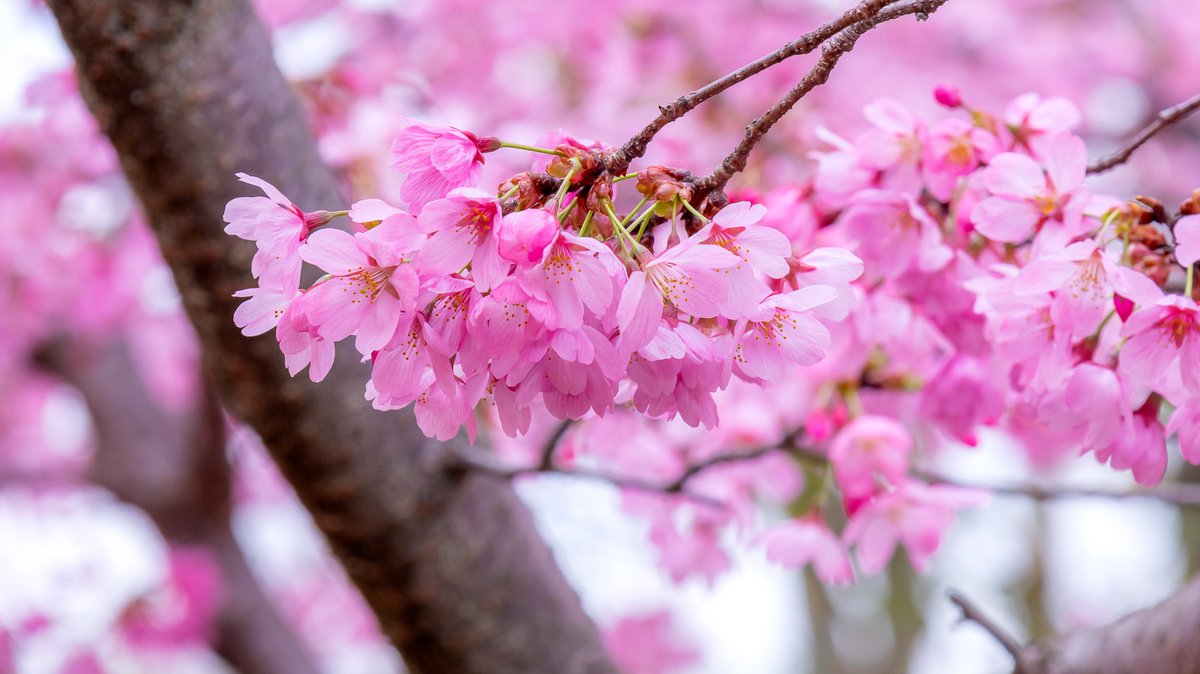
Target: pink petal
(447, 251)
(1004, 220)
(1066, 161)
(372, 210)
(334, 251)
(270, 190)
(1014, 175)
(638, 312)
(1187, 240)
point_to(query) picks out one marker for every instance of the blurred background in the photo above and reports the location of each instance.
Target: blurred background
(89, 583)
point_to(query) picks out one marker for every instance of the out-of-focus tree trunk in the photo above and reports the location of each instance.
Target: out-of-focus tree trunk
(174, 467)
(188, 92)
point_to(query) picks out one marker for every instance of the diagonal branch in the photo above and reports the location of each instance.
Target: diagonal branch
(831, 53)
(974, 614)
(635, 147)
(1162, 120)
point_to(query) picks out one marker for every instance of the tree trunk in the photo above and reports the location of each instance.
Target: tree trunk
(188, 92)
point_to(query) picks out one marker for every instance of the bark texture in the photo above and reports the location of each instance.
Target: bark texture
(451, 564)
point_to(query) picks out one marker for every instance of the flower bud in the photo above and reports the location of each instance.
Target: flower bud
(662, 183)
(948, 96)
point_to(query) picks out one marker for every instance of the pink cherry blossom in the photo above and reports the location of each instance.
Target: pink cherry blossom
(402, 365)
(1141, 447)
(1084, 277)
(1160, 338)
(262, 311)
(302, 344)
(461, 231)
(649, 644)
(1031, 116)
(783, 333)
(369, 284)
(279, 228)
(434, 161)
(893, 233)
(686, 277)
(761, 249)
(572, 275)
(796, 543)
(869, 447)
(1024, 196)
(913, 515)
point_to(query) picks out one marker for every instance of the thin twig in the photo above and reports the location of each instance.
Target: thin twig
(695, 469)
(485, 464)
(619, 161)
(1162, 120)
(1184, 495)
(547, 460)
(831, 53)
(972, 613)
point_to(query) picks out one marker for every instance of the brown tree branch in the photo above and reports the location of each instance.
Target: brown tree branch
(974, 614)
(469, 461)
(1162, 120)
(635, 147)
(547, 460)
(1184, 495)
(174, 468)
(452, 566)
(831, 53)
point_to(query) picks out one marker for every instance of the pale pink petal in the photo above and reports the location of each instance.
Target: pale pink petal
(1145, 357)
(372, 210)
(270, 190)
(1187, 240)
(638, 313)
(804, 339)
(1004, 220)
(378, 324)
(740, 214)
(447, 251)
(1014, 175)
(334, 251)
(487, 267)
(1066, 161)
(876, 544)
(808, 297)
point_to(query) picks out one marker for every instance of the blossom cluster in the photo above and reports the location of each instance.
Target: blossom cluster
(525, 296)
(928, 282)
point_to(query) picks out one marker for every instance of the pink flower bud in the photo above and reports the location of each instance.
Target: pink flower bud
(947, 96)
(522, 236)
(487, 144)
(1123, 306)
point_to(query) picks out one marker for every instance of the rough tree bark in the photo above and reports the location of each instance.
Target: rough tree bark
(451, 564)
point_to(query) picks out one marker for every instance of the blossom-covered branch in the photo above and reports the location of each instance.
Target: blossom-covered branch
(1164, 119)
(636, 146)
(831, 53)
